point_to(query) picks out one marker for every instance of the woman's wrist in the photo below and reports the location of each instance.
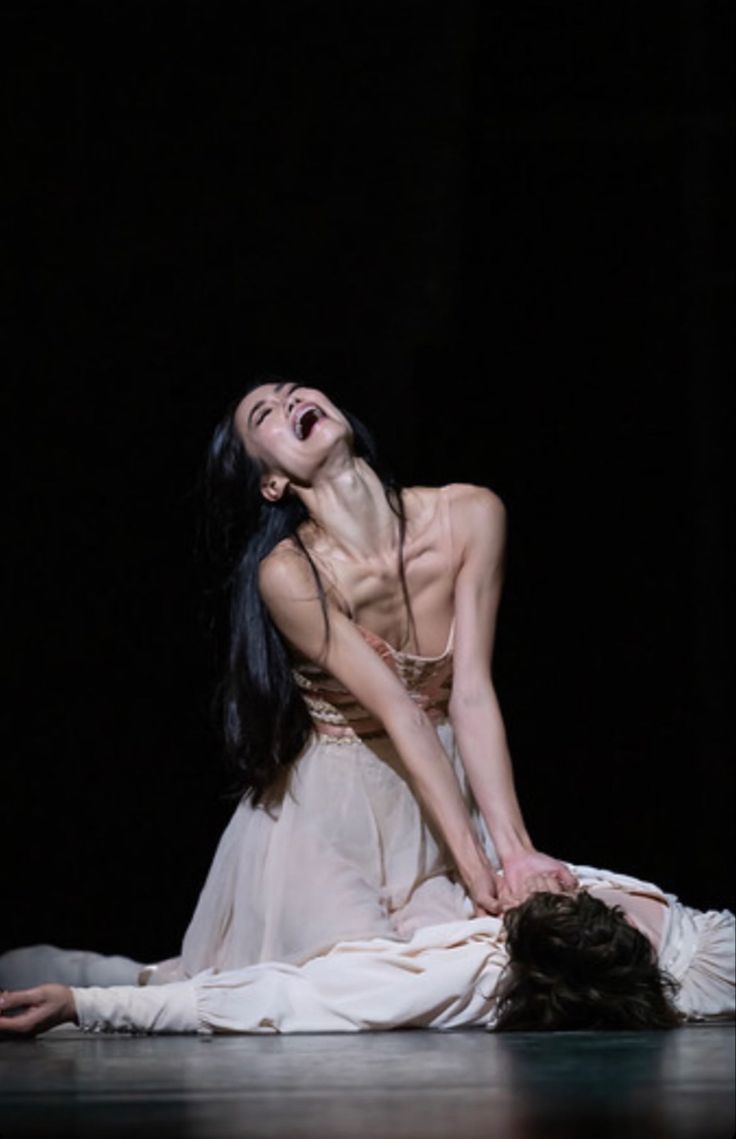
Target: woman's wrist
(513, 845)
(472, 862)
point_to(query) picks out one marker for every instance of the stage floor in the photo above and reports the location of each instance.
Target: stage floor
(398, 1085)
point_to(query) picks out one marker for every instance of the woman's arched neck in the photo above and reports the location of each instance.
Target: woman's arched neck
(348, 508)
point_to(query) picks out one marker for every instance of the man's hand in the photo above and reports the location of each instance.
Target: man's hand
(531, 872)
(42, 1008)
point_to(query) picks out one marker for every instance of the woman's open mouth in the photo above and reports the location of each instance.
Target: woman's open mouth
(304, 419)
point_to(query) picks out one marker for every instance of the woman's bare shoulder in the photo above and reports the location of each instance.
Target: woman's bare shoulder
(289, 572)
(285, 566)
(459, 494)
(476, 513)
(475, 505)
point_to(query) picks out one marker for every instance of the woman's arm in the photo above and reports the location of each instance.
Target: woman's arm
(287, 588)
(478, 518)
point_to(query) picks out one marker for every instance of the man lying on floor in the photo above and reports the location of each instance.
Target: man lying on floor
(614, 953)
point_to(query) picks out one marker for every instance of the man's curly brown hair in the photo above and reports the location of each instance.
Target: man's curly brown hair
(576, 963)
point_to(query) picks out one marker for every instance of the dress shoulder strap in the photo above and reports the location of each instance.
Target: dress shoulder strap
(446, 521)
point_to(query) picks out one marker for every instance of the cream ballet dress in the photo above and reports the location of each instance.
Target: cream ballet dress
(348, 854)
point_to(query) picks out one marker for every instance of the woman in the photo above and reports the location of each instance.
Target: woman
(361, 630)
(378, 798)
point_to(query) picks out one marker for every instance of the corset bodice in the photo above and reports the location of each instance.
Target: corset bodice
(336, 713)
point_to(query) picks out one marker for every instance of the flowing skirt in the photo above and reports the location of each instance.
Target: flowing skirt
(347, 855)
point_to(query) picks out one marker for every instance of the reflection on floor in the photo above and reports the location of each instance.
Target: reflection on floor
(398, 1085)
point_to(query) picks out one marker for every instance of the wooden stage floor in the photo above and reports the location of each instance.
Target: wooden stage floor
(397, 1085)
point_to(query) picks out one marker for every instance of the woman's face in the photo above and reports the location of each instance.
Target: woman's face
(290, 429)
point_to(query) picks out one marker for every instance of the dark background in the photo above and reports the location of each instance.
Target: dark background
(494, 231)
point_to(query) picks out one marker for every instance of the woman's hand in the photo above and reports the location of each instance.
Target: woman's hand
(43, 1007)
(483, 889)
(530, 872)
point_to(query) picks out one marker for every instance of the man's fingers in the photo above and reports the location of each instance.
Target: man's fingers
(18, 998)
(20, 1022)
(16, 1025)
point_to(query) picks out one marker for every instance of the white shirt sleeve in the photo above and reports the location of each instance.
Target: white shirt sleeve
(131, 1008)
(696, 947)
(444, 977)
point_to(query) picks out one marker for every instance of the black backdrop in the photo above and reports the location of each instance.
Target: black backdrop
(493, 231)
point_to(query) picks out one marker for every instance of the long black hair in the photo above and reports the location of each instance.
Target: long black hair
(265, 720)
(576, 963)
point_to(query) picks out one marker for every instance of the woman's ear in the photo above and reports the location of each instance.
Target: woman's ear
(273, 487)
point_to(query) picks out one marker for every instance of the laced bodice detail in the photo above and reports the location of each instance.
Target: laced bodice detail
(339, 717)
